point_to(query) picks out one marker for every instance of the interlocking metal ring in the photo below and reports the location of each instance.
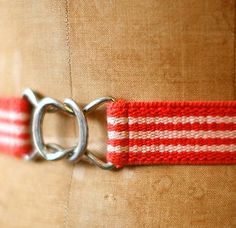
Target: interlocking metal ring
(34, 155)
(37, 122)
(70, 107)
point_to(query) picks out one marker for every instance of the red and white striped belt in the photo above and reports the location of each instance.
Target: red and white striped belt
(139, 133)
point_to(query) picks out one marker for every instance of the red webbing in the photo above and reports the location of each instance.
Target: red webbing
(15, 136)
(146, 133)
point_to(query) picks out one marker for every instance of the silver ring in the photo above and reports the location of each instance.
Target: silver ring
(39, 113)
(80, 148)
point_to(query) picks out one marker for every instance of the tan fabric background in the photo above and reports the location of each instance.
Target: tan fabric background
(132, 49)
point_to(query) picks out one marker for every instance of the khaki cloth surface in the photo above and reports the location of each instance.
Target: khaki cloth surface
(131, 49)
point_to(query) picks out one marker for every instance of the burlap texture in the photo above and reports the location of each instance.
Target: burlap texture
(137, 50)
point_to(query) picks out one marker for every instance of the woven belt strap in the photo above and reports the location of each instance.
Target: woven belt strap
(15, 138)
(141, 133)
(171, 133)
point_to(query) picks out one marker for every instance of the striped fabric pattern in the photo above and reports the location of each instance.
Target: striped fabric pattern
(171, 133)
(15, 136)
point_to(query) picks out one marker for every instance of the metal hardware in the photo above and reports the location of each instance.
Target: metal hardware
(37, 122)
(51, 151)
(96, 161)
(35, 155)
(87, 109)
(31, 96)
(80, 148)
(33, 99)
